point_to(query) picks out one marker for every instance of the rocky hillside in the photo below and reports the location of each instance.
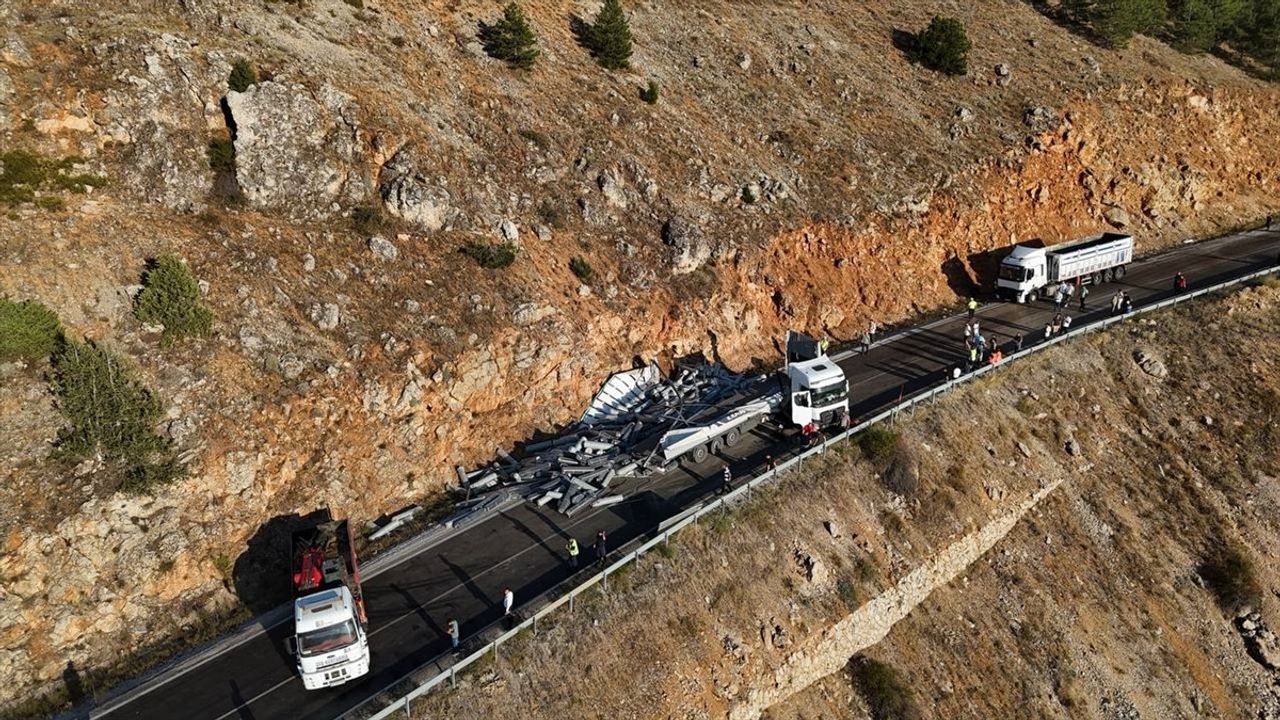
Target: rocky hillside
(796, 171)
(1066, 557)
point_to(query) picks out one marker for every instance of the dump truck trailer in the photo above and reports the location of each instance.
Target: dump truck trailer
(1028, 270)
(331, 635)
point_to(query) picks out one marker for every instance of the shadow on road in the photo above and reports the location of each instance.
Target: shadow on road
(261, 573)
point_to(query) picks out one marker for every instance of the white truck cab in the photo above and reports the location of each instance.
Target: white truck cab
(819, 391)
(1022, 272)
(332, 646)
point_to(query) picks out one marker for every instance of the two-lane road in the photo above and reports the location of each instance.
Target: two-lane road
(523, 548)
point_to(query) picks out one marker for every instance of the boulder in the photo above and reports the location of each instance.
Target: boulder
(611, 187)
(383, 248)
(1117, 216)
(325, 316)
(296, 152)
(689, 245)
(408, 194)
(1150, 364)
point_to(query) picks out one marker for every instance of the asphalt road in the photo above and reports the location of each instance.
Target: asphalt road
(523, 548)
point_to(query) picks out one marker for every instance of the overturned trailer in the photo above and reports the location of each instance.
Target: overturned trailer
(642, 422)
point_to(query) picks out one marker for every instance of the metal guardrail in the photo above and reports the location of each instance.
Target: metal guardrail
(743, 492)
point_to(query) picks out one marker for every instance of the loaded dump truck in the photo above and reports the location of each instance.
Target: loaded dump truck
(331, 638)
(1029, 270)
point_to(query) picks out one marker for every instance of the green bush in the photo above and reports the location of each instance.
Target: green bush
(878, 443)
(581, 268)
(1230, 575)
(24, 173)
(221, 152)
(243, 76)
(943, 46)
(367, 219)
(28, 330)
(110, 411)
(649, 93)
(848, 593)
(511, 38)
(171, 297)
(491, 256)
(609, 37)
(886, 691)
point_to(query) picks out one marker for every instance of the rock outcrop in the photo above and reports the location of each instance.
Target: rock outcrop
(296, 153)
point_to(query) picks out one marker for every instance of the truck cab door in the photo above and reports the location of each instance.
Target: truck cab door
(800, 410)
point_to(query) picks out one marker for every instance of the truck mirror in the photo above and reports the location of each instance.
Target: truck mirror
(291, 645)
(801, 399)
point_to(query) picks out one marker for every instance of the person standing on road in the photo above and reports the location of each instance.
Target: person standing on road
(602, 547)
(1048, 330)
(866, 342)
(1070, 290)
(1116, 301)
(455, 634)
(1059, 296)
(1268, 222)
(972, 361)
(726, 481)
(1179, 282)
(1017, 342)
(1126, 303)
(873, 329)
(572, 548)
(508, 602)
(1084, 293)
(823, 344)
(973, 307)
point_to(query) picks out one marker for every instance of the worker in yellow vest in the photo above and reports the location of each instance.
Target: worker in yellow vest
(973, 307)
(572, 547)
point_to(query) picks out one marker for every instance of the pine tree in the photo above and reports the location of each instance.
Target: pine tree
(944, 46)
(1116, 21)
(1195, 26)
(511, 38)
(171, 297)
(609, 37)
(28, 330)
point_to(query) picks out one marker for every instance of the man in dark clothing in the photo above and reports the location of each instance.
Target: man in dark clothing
(602, 547)
(1268, 222)
(1179, 282)
(726, 483)
(1017, 340)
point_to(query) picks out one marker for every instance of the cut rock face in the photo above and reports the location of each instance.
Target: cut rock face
(690, 247)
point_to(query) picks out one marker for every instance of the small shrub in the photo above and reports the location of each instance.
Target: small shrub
(878, 443)
(550, 213)
(902, 474)
(399, 41)
(649, 93)
(511, 38)
(28, 330)
(886, 691)
(1230, 575)
(538, 139)
(867, 571)
(943, 46)
(171, 297)
(609, 37)
(581, 268)
(221, 152)
(367, 219)
(848, 593)
(491, 256)
(222, 564)
(110, 411)
(243, 76)
(748, 195)
(50, 202)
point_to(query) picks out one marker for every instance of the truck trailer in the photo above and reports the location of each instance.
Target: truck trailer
(1029, 270)
(331, 635)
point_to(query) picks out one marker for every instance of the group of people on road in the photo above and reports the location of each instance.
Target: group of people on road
(980, 349)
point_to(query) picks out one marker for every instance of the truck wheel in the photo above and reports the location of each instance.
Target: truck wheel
(732, 437)
(1107, 275)
(1096, 279)
(1121, 272)
(717, 446)
(698, 454)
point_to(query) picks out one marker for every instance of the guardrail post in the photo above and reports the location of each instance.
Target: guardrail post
(408, 711)
(604, 580)
(453, 677)
(535, 623)
(572, 595)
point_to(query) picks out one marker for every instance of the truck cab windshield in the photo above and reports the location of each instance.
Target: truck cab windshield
(828, 394)
(327, 639)
(1015, 273)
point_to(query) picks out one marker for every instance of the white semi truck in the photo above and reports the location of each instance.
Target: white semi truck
(1028, 270)
(810, 389)
(331, 635)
